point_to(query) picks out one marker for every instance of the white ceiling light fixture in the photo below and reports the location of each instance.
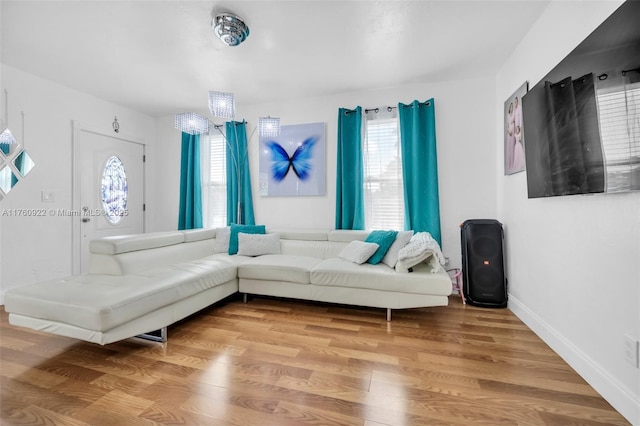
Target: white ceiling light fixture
(222, 105)
(230, 29)
(192, 123)
(268, 126)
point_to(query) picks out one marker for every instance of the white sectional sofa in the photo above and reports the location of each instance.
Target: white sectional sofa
(141, 283)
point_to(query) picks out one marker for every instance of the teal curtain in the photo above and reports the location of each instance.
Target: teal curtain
(190, 209)
(350, 174)
(238, 171)
(420, 167)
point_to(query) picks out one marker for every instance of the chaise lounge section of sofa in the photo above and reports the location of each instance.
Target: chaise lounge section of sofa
(146, 282)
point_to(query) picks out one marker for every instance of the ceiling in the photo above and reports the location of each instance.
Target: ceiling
(161, 57)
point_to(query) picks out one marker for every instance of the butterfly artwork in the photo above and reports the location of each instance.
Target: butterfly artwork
(293, 163)
(299, 161)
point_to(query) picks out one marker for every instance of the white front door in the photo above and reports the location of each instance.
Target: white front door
(109, 174)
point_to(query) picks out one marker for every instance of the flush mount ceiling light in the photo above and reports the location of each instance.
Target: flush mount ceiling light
(230, 29)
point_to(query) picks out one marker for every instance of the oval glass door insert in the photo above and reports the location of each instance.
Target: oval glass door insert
(114, 190)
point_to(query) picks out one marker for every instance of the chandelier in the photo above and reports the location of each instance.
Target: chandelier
(230, 29)
(222, 105)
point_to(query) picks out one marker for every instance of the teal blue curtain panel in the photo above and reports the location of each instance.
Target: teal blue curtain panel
(238, 176)
(190, 209)
(420, 167)
(350, 174)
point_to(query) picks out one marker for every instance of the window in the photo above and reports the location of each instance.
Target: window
(619, 111)
(383, 190)
(214, 185)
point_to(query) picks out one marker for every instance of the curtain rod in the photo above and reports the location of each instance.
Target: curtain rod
(377, 110)
(624, 73)
(389, 108)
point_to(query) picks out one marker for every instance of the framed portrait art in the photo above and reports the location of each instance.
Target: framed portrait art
(294, 162)
(514, 132)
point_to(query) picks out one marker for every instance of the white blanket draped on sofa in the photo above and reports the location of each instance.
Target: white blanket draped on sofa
(421, 248)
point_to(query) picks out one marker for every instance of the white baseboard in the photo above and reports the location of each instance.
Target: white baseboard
(616, 394)
(2, 298)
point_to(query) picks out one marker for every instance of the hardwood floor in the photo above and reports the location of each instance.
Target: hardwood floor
(283, 362)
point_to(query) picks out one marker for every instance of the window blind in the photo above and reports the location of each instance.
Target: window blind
(383, 190)
(216, 185)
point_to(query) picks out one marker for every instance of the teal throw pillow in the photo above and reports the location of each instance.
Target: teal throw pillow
(384, 239)
(246, 229)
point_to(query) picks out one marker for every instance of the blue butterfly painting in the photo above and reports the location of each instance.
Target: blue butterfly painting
(299, 162)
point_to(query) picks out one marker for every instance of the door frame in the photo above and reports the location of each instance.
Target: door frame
(76, 138)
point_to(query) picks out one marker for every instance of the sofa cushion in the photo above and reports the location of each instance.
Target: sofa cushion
(234, 260)
(278, 267)
(384, 239)
(102, 302)
(221, 244)
(127, 243)
(198, 234)
(302, 234)
(258, 244)
(358, 251)
(320, 249)
(342, 273)
(247, 229)
(402, 239)
(347, 235)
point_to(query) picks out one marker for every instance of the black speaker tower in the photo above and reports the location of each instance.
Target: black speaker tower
(483, 276)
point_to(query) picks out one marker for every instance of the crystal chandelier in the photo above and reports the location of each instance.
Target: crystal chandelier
(192, 123)
(268, 126)
(230, 29)
(222, 105)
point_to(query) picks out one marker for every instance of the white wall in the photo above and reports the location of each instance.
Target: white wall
(39, 248)
(572, 261)
(466, 155)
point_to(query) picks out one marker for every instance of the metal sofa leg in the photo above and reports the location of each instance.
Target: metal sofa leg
(245, 298)
(389, 314)
(155, 337)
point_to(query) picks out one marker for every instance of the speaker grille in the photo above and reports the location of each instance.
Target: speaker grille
(485, 247)
(483, 263)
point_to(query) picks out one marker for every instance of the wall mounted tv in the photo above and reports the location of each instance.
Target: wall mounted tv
(582, 120)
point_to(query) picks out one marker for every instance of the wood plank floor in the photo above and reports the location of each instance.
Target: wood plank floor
(284, 362)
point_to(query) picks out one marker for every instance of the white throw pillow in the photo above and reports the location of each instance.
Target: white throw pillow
(358, 251)
(221, 244)
(402, 239)
(258, 244)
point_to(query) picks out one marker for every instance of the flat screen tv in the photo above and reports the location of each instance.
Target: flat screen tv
(582, 120)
